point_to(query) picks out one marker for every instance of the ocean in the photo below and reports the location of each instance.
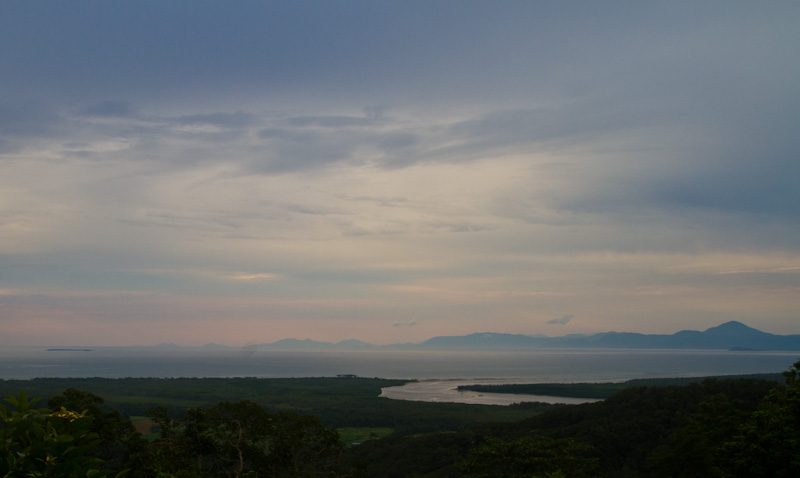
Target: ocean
(539, 365)
(438, 372)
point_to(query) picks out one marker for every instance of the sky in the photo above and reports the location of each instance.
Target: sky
(242, 172)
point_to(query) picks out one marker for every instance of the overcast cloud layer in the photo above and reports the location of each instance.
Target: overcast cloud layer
(242, 172)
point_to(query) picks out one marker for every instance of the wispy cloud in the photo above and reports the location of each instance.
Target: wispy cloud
(288, 173)
(244, 276)
(563, 320)
(771, 270)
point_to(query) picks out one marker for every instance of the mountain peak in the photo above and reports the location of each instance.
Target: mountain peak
(733, 323)
(732, 327)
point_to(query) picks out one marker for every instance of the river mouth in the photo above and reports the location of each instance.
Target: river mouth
(446, 390)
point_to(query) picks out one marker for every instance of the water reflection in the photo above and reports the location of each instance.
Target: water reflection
(447, 391)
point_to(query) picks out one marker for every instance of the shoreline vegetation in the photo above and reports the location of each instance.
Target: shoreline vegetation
(132, 395)
(602, 390)
(343, 402)
(643, 427)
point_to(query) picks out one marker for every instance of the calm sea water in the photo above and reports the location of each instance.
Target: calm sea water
(561, 365)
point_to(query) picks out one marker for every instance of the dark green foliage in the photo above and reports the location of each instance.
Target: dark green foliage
(41, 442)
(337, 402)
(528, 457)
(766, 443)
(241, 439)
(574, 390)
(696, 445)
(634, 429)
(121, 446)
(598, 390)
(740, 436)
(431, 455)
(301, 446)
(634, 433)
(716, 428)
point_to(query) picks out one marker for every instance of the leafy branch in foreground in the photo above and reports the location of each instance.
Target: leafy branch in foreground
(39, 442)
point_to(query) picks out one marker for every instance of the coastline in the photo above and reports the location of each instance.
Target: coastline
(446, 390)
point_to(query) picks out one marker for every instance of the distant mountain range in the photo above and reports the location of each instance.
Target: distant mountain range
(728, 336)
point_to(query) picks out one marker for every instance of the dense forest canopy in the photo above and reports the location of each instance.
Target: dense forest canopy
(721, 427)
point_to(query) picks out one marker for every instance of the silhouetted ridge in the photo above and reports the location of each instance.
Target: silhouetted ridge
(731, 335)
(733, 328)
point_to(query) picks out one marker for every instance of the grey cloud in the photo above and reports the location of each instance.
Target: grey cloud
(78, 153)
(400, 150)
(289, 151)
(749, 171)
(392, 142)
(308, 142)
(330, 121)
(553, 128)
(742, 165)
(457, 227)
(517, 131)
(27, 118)
(499, 132)
(284, 134)
(111, 109)
(228, 120)
(24, 122)
(561, 320)
(458, 51)
(213, 224)
(313, 210)
(167, 142)
(303, 142)
(752, 190)
(410, 323)
(383, 201)
(375, 111)
(140, 135)
(728, 172)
